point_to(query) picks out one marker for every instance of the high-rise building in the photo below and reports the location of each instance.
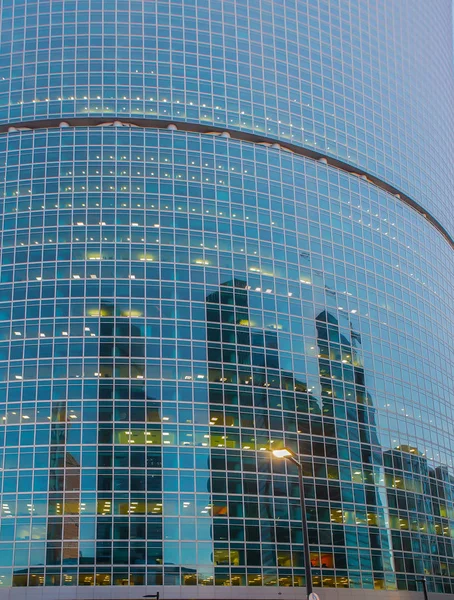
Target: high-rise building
(226, 227)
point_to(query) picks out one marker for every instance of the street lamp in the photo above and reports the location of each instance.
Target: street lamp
(423, 580)
(289, 455)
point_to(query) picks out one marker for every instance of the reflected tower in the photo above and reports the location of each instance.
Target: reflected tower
(129, 501)
(360, 507)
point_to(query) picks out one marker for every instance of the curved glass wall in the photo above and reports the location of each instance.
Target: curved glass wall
(368, 83)
(175, 305)
(172, 307)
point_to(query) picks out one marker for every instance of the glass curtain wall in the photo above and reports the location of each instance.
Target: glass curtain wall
(225, 228)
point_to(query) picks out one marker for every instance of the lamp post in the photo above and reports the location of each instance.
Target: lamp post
(423, 580)
(289, 455)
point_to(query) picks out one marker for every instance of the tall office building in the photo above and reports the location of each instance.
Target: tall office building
(226, 227)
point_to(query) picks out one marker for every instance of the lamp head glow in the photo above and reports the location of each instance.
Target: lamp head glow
(282, 453)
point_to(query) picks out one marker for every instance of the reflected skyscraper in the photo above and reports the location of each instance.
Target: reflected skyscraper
(349, 418)
(225, 227)
(249, 395)
(129, 479)
(419, 510)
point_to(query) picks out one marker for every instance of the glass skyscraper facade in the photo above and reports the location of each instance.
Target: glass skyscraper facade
(226, 228)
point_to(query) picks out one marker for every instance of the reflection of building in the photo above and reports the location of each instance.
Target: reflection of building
(64, 493)
(420, 499)
(249, 397)
(64, 504)
(129, 479)
(356, 499)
